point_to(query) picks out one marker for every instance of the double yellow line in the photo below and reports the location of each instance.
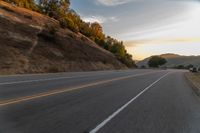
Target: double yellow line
(54, 92)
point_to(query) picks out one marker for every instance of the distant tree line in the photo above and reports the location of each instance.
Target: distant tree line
(158, 61)
(184, 66)
(68, 18)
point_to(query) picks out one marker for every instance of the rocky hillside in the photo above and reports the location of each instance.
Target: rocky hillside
(34, 43)
(174, 60)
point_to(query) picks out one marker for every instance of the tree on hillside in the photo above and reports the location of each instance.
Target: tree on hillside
(54, 8)
(156, 61)
(128, 61)
(59, 10)
(97, 30)
(29, 4)
(68, 18)
(118, 49)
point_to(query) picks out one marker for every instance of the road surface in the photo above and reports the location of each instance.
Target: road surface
(128, 101)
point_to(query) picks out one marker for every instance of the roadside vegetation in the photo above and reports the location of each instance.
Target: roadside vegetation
(194, 79)
(184, 66)
(68, 18)
(156, 61)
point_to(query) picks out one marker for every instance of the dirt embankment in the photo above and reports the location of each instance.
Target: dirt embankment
(194, 80)
(30, 43)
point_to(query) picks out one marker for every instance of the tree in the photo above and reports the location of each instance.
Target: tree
(189, 66)
(68, 18)
(68, 23)
(156, 61)
(97, 31)
(54, 8)
(29, 4)
(128, 61)
(180, 67)
(118, 49)
(143, 67)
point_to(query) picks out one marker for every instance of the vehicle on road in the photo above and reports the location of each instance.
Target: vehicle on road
(194, 69)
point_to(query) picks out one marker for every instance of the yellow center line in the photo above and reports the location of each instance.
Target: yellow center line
(54, 92)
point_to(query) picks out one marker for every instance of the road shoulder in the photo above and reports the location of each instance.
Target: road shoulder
(194, 80)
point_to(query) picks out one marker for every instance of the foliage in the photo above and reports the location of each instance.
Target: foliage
(118, 49)
(156, 61)
(128, 61)
(29, 4)
(143, 67)
(189, 66)
(68, 18)
(184, 67)
(68, 23)
(54, 8)
(180, 67)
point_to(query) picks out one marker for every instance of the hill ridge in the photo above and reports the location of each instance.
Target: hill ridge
(174, 60)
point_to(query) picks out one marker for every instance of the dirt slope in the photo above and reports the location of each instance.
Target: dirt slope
(29, 44)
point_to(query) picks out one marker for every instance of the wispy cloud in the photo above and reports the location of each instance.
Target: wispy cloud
(147, 27)
(134, 43)
(112, 2)
(99, 19)
(120, 2)
(93, 19)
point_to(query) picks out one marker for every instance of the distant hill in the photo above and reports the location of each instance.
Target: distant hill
(174, 60)
(168, 55)
(31, 44)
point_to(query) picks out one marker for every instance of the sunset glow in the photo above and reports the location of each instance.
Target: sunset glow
(155, 27)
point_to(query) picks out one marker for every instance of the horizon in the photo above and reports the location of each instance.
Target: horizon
(169, 54)
(174, 27)
(63, 72)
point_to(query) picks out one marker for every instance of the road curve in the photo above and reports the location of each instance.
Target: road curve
(129, 101)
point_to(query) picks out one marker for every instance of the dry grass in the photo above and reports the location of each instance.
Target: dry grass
(52, 50)
(25, 16)
(194, 79)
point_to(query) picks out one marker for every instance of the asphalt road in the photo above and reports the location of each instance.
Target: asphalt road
(129, 101)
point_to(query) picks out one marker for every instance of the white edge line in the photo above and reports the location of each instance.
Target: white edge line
(98, 127)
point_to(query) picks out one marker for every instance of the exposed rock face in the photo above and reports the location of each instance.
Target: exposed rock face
(29, 43)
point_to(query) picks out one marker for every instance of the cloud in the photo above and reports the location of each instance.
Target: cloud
(93, 19)
(112, 2)
(134, 43)
(120, 2)
(99, 19)
(114, 19)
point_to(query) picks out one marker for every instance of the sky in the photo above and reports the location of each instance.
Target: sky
(147, 27)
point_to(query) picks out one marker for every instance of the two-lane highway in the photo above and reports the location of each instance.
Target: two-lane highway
(130, 101)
